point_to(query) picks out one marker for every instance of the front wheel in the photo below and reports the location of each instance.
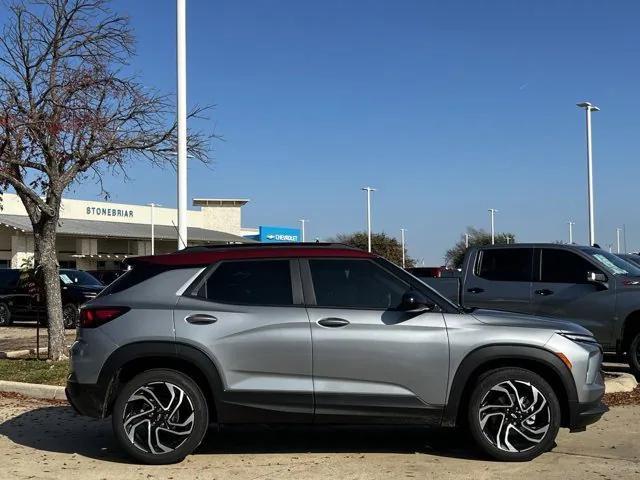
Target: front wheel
(633, 355)
(514, 415)
(160, 416)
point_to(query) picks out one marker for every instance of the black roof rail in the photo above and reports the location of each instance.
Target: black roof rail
(205, 248)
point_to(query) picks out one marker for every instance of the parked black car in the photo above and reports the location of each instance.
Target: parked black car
(106, 276)
(20, 301)
(631, 257)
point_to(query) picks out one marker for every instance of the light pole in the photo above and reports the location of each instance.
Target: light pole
(466, 240)
(153, 228)
(493, 212)
(368, 190)
(588, 109)
(181, 71)
(402, 230)
(302, 222)
(618, 230)
(571, 224)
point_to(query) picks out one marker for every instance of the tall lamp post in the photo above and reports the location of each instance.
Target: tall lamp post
(588, 107)
(493, 212)
(302, 222)
(402, 230)
(368, 190)
(571, 224)
(618, 230)
(181, 71)
(153, 228)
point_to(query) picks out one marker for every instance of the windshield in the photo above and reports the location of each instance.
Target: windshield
(78, 277)
(614, 264)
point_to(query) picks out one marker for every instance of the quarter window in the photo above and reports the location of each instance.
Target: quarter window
(263, 282)
(345, 283)
(560, 266)
(506, 264)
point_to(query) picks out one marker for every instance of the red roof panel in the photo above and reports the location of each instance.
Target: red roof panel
(204, 257)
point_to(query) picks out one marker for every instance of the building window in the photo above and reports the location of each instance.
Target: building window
(68, 264)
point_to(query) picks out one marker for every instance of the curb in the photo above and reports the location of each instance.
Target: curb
(22, 353)
(48, 392)
(619, 382)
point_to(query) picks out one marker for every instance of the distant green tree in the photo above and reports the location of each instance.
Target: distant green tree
(381, 244)
(455, 255)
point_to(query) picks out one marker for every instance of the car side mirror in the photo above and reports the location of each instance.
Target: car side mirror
(415, 302)
(596, 277)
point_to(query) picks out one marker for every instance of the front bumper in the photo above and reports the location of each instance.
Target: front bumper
(583, 414)
(86, 399)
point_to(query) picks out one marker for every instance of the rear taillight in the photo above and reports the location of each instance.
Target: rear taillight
(92, 317)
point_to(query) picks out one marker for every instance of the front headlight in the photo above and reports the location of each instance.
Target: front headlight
(580, 338)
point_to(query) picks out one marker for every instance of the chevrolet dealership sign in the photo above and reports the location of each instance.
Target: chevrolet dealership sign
(278, 234)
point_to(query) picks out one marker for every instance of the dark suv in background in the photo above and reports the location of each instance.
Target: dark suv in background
(19, 299)
(319, 333)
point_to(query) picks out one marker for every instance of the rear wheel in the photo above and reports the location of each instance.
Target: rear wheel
(5, 315)
(514, 415)
(160, 416)
(633, 355)
(70, 315)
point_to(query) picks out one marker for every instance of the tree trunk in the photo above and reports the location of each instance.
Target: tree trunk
(47, 261)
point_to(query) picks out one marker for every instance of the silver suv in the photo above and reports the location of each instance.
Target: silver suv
(319, 333)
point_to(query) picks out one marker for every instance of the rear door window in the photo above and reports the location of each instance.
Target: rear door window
(252, 282)
(506, 264)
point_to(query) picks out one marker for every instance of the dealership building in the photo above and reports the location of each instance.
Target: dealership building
(99, 235)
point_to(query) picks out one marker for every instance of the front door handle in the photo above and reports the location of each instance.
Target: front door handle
(475, 290)
(333, 322)
(544, 292)
(201, 319)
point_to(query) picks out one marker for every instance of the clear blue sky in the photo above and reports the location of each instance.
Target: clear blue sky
(447, 108)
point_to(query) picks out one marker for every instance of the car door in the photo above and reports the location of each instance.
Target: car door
(562, 290)
(370, 359)
(248, 316)
(500, 279)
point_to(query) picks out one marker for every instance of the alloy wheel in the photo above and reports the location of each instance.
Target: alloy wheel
(514, 416)
(70, 316)
(4, 314)
(158, 417)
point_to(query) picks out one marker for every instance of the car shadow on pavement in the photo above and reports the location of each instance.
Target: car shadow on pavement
(59, 429)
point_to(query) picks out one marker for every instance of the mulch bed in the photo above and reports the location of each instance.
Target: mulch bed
(623, 398)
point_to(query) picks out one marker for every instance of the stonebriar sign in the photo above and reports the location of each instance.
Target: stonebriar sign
(109, 212)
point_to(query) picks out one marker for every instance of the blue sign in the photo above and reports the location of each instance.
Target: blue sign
(278, 234)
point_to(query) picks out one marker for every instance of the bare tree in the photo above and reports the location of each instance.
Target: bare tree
(69, 113)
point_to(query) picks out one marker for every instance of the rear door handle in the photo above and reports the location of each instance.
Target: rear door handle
(544, 292)
(201, 319)
(475, 290)
(333, 322)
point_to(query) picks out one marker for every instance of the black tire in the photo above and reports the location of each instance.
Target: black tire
(70, 315)
(633, 355)
(5, 315)
(180, 429)
(498, 423)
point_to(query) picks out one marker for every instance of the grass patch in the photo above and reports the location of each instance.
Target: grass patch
(34, 371)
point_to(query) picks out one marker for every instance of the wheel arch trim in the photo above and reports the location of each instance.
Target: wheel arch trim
(478, 359)
(171, 351)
